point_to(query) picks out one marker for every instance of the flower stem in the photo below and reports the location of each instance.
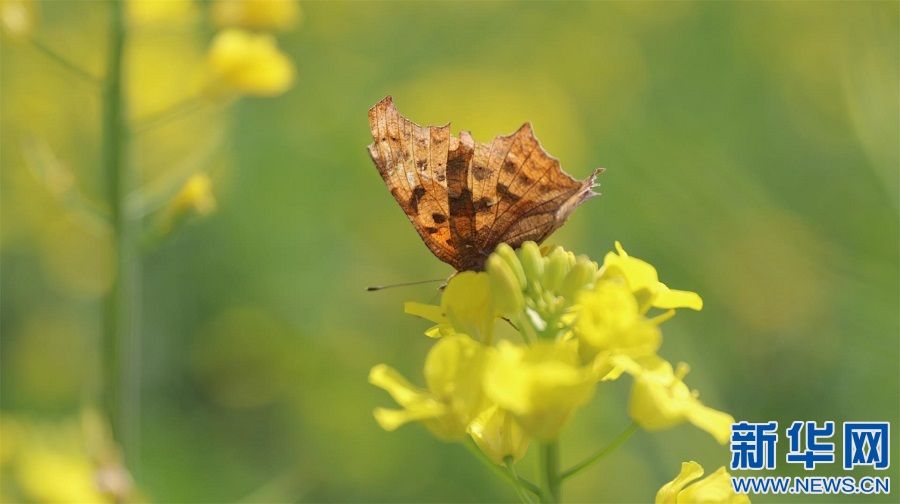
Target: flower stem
(120, 386)
(606, 450)
(519, 483)
(550, 479)
(510, 466)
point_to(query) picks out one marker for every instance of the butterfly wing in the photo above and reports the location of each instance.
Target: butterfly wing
(412, 161)
(531, 193)
(465, 198)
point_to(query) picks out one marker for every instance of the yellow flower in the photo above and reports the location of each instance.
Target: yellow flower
(60, 462)
(609, 323)
(18, 17)
(714, 489)
(195, 195)
(466, 307)
(541, 384)
(194, 198)
(643, 281)
(256, 14)
(249, 63)
(453, 372)
(660, 399)
(498, 435)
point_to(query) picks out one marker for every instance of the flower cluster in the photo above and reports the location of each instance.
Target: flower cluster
(576, 325)
(243, 58)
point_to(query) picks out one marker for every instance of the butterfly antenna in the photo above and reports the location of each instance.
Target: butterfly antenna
(404, 284)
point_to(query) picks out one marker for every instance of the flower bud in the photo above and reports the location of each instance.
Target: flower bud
(532, 262)
(556, 269)
(578, 277)
(509, 256)
(506, 290)
(498, 435)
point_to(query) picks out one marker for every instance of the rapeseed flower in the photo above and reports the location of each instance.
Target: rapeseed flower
(642, 279)
(453, 373)
(249, 63)
(541, 384)
(660, 399)
(610, 324)
(580, 324)
(195, 196)
(687, 489)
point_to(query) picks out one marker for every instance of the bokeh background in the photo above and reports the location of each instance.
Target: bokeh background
(751, 153)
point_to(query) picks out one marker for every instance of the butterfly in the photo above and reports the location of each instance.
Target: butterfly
(463, 197)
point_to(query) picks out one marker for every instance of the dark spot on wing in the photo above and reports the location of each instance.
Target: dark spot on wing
(431, 230)
(439, 218)
(483, 204)
(505, 193)
(417, 194)
(481, 172)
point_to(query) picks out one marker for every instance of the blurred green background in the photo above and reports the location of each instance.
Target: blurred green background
(751, 153)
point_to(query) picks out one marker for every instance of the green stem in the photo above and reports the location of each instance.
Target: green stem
(508, 462)
(606, 450)
(550, 480)
(519, 483)
(119, 339)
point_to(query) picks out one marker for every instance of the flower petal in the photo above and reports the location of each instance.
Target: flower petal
(715, 422)
(715, 488)
(668, 494)
(391, 419)
(670, 298)
(429, 312)
(387, 378)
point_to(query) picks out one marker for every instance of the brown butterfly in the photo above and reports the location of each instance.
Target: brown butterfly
(465, 198)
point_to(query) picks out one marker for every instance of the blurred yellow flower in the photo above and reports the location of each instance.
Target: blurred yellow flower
(714, 489)
(643, 281)
(541, 384)
(51, 462)
(660, 399)
(245, 62)
(498, 435)
(453, 372)
(18, 17)
(256, 14)
(196, 196)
